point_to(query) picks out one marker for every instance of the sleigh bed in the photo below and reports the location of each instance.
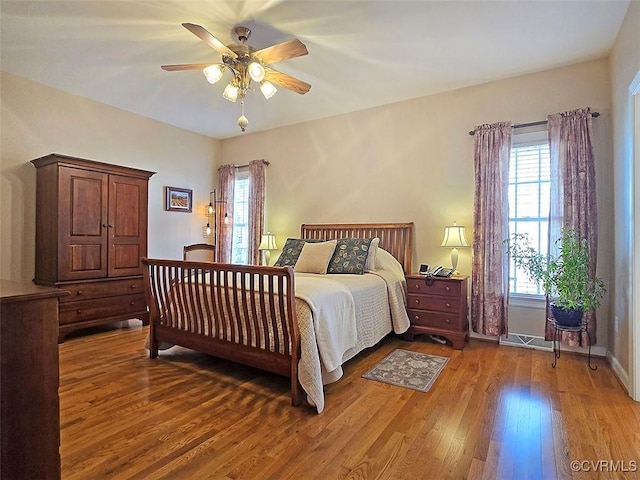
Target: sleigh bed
(300, 325)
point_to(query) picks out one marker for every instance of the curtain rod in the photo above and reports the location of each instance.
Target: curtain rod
(266, 162)
(533, 124)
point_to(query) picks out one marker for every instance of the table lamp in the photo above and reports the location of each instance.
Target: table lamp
(454, 238)
(267, 243)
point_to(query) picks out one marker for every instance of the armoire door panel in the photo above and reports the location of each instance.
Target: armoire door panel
(125, 257)
(82, 213)
(85, 258)
(128, 221)
(87, 208)
(125, 200)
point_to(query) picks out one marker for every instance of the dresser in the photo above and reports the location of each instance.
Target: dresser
(91, 231)
(30, 407)
(438, 306)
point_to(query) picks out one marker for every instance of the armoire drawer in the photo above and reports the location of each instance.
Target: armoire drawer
(110, 288)
(78, 311)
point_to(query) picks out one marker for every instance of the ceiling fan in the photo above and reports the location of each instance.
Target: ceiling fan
(246, 64)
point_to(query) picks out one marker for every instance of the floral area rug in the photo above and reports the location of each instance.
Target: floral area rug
(414, 370)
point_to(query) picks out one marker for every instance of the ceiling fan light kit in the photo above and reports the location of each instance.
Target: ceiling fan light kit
(247, 65)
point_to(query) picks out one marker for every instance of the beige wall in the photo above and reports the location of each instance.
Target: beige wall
(413, 161)
(625, 65)
(38, 120)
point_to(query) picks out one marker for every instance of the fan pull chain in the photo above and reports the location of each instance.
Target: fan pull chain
(243, 121)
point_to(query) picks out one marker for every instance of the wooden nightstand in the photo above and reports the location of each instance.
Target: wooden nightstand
(438, 307)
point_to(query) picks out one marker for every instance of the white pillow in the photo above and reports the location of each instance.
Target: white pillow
(386, 261)
(370, 264)
(315, 257)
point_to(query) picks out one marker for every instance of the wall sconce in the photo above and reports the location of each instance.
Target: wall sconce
(267, 243)
(454, 238)
(212, 214)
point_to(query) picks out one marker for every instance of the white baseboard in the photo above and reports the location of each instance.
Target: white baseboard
(620, 372)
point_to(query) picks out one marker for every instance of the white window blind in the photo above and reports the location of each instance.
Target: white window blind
(240, 243)
(529, 175)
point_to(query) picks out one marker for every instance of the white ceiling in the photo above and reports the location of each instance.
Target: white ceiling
(362, 53)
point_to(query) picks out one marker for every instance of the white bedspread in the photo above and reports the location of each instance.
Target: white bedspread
(378, 306)
(333, 310)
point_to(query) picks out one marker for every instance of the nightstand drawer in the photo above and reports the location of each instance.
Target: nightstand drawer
(439, 287)
(434, 320)
(438, 304)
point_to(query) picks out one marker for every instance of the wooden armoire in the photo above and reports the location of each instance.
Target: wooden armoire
(91, 231)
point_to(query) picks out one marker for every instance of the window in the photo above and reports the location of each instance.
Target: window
(529, 183)
(240, 242)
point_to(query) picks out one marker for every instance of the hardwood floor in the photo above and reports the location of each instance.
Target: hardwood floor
(495, 412)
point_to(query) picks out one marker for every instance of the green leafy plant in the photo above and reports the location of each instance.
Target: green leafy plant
(566, 278)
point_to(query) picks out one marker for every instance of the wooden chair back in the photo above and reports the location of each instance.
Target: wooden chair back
(199, 252)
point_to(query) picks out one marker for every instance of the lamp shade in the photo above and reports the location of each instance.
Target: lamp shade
(268, 242)
(454, 236)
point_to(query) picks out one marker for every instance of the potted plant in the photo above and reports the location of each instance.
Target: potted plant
(566, 278)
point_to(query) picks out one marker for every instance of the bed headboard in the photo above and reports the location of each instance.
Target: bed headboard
(395, 238)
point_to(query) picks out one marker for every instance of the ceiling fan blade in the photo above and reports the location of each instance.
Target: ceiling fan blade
(209, 39)
(286, 81)
(186, 66)
(282, 51)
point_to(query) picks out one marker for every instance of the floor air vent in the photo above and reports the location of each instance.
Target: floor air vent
(526, 341)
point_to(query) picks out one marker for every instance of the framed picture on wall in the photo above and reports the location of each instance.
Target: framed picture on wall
(178, 199)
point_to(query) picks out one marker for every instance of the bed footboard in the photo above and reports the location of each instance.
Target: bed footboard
(241, 313)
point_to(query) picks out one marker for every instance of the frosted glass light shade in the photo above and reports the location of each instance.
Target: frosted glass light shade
(267, 89)
(256, 72)
(230, 93)
(213, 73)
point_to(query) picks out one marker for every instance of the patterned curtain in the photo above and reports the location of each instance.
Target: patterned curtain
(490, 277)
(573, 195)
(257, 187)
(224, 229)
